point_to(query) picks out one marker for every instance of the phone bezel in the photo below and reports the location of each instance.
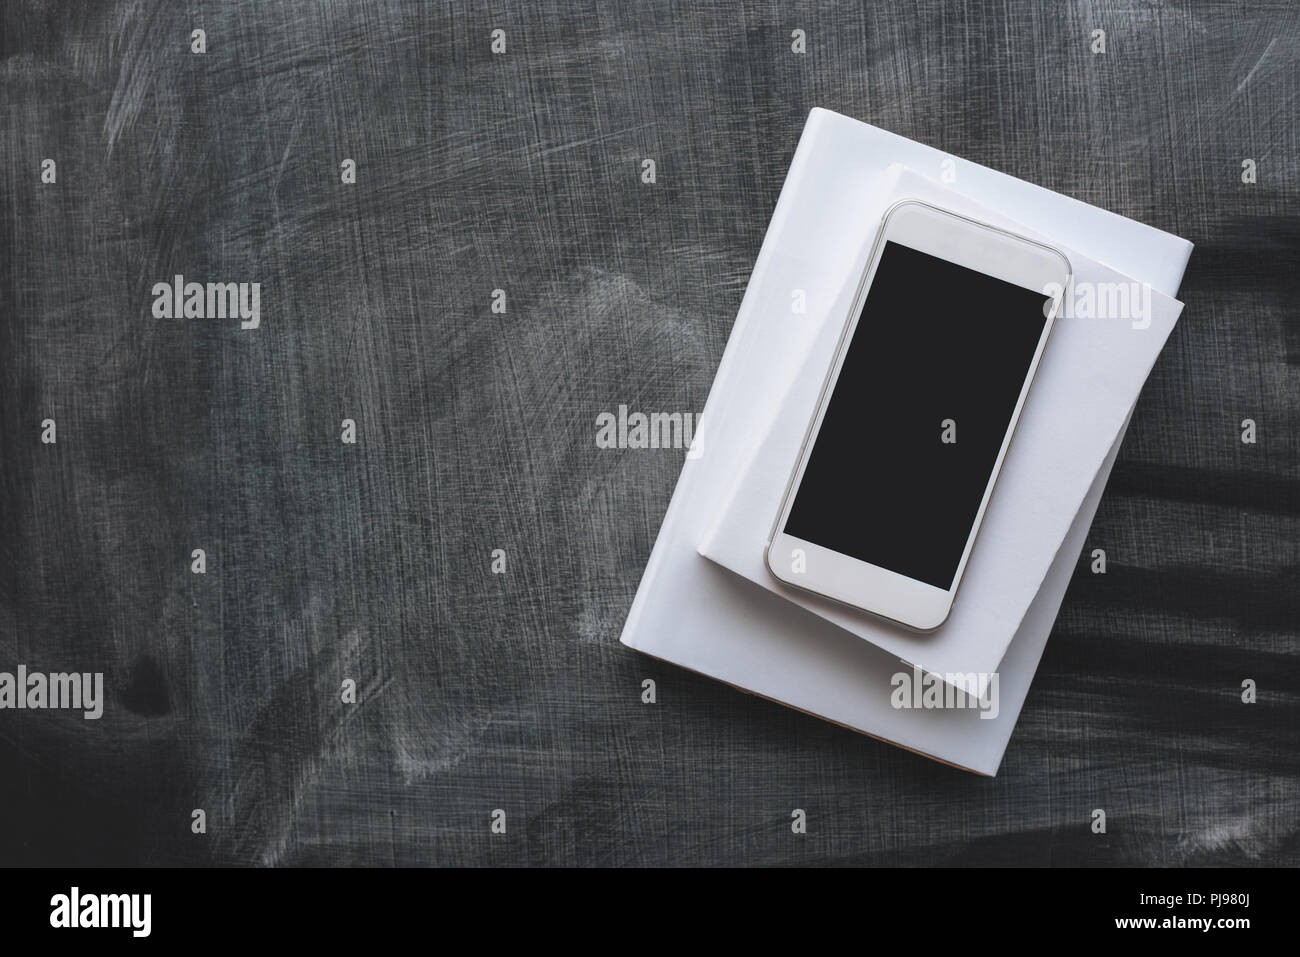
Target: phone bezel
(905, 601)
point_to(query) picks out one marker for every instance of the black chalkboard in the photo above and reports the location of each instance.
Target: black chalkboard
(473, 413)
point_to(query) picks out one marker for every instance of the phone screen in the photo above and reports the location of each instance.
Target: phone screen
(917, 416)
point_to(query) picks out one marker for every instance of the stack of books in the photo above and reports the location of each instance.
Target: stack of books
(706, 600)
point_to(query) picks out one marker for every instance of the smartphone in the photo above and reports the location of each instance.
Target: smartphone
(933, 367)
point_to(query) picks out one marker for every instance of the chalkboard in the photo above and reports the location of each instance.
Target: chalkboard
(351, 562)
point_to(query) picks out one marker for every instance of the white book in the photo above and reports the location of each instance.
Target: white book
(693, 612)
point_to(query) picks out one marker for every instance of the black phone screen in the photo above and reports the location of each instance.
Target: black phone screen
(918, 414)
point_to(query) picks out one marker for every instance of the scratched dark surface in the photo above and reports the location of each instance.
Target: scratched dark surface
(476, 430)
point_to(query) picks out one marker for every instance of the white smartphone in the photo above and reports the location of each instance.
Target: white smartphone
(932, 370)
